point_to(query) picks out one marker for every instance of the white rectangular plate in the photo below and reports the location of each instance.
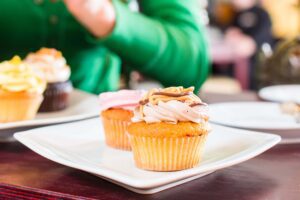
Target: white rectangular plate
(81, 145)
(82, 105)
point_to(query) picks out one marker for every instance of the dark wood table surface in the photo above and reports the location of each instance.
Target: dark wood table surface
(273, 175)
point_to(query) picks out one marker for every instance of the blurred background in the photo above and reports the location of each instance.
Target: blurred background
(253, 43)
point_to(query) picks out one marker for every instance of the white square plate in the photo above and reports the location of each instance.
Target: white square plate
(81, 145)
(82, 105)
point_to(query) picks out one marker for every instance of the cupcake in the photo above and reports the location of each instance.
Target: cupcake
(292, 109)
(21, 91)
(116, 111)
(168, 130)
(52, 66)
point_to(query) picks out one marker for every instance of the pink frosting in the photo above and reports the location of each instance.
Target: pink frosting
(125, 99)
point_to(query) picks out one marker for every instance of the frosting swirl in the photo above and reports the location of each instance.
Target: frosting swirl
(125, 99)
(16, 76)
(50, 64)
(171, 105)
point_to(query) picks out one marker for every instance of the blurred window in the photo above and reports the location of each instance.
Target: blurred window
(285, 15)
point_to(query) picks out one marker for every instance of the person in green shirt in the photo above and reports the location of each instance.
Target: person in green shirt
(164, 41)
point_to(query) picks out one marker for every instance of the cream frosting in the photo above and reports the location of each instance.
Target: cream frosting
(50, 64)
(171, 111)
(16, 76)
(171, 105)
(125, 99)
(291, 108)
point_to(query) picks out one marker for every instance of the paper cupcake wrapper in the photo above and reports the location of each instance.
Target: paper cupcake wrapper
(115, 133)
(167, 153)
(56, 96)
(19, 109)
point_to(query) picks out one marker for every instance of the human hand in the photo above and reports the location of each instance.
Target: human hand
(233, 34)
(243, 45)
(98, 16)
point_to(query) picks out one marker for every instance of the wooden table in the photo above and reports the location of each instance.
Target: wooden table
(272, 175)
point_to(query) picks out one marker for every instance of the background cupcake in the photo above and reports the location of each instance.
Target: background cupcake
(169, 130)
(52, 66)
(116, 112)
(21, 91)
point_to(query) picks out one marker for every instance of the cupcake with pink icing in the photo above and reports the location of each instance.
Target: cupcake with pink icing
(116, 111)
(52, 66)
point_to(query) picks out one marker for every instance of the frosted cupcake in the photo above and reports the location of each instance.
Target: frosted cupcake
(292, 109)
(169, 130)
(21, 91)
(52, 66)
(116, 112)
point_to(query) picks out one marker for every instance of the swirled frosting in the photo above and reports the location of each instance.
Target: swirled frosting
(171, 105)
(16, 76)
(125, 99)
(50, 64)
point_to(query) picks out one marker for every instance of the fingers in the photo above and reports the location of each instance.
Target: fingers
(93, 6)
(73, 5)
(98, 16)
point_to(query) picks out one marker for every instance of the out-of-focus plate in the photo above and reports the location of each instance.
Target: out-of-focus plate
(281, 93)
(252, 115)
(257, 116)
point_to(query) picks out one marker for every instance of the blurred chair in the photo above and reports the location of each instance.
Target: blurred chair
(223, 56)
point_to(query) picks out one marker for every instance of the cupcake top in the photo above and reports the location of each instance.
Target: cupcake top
(50, 64)
(291, 108)
(16, 76)
(172, 105)
(124, 99)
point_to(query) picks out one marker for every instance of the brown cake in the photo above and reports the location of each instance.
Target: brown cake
(52, 66)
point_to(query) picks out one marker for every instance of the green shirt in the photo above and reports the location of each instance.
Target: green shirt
(165, 41)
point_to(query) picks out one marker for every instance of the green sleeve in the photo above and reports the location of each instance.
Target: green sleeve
(165, 41)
